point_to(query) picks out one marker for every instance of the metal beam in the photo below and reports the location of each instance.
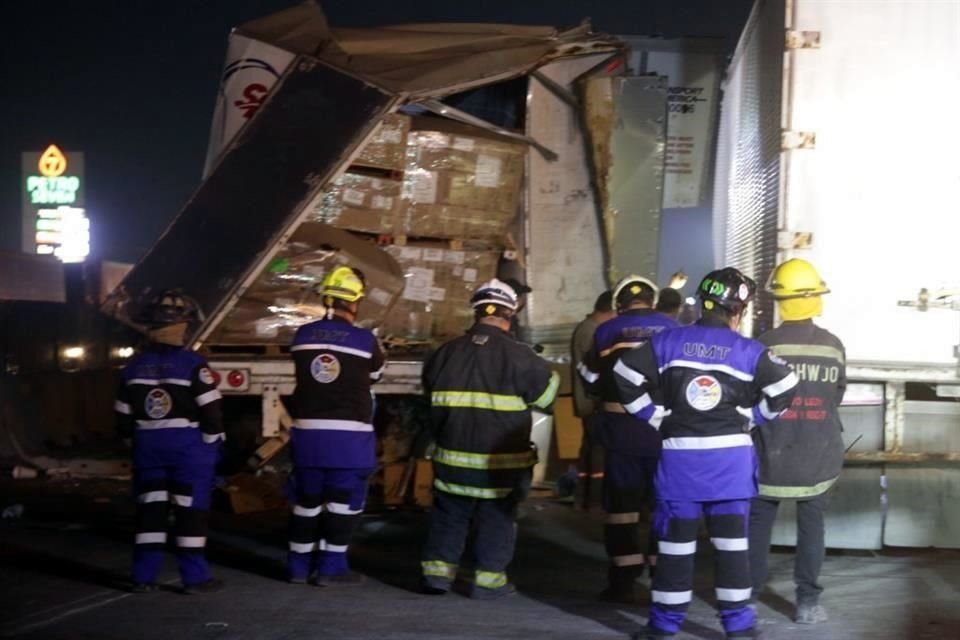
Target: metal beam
(895, 394)
(453, 113)
(558, 90)
(905, 457)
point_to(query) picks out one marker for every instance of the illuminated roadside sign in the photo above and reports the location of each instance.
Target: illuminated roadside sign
(63, 232)
(54, 221)
(59, 190)
(52, 162)
(51, 186)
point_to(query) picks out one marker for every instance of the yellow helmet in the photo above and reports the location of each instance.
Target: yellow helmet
(343, 283)
(796, 278)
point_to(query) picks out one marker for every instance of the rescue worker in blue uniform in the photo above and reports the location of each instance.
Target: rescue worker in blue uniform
(332, 438)
(169, 404)
(632, 448)
(715, 385)
(801, 452)
(482, 387)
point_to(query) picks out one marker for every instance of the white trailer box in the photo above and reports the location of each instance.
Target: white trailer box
(837, 145)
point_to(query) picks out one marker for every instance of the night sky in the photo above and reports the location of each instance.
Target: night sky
(132, 84)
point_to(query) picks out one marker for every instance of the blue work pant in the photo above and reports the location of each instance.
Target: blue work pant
(327, 504)
(677, 524)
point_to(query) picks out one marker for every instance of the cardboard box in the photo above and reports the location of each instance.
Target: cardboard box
(569, 429)
(249, 494)
(387, 149)
(396, 477)
(423, 484)
(286, 295)
(459, 181)
(360, 203)
(438, 283)
(441, 144)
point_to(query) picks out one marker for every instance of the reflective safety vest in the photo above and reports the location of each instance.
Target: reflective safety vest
(332, 408)
(715, 385)
(612, 339)
(169, 403)
(801, 453)
(482, 387)
(627, 331)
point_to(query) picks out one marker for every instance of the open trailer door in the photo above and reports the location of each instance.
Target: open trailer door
(315, 118)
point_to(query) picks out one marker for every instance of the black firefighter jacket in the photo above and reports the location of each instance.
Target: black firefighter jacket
(801, 453)
(482, 387)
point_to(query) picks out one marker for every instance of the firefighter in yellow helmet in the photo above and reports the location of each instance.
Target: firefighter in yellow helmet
(343, 284)
(332, 438)
(800, 453)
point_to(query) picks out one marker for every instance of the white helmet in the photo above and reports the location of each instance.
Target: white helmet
(495, 292)
(632, 287)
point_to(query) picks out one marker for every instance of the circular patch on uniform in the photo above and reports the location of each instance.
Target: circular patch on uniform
(325, 368)
(704, 393)
(158, 404)
(744, 292)
(205, 375)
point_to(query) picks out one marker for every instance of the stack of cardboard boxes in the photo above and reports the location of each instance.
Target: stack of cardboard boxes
(445, 194)
(439, 281)
(285, 296)
(459, 182)
(430, 184)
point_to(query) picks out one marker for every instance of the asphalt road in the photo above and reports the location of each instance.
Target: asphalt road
(65, 562)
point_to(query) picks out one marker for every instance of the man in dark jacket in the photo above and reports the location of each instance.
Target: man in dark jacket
(589, 463)
(801, 453)
(714, 384)
(169, 404)
(482, 387)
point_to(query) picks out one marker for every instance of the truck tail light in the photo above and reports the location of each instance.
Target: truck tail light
(236, 378)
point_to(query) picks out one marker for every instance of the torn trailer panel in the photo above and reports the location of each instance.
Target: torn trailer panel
(304, 134)
(279, 157)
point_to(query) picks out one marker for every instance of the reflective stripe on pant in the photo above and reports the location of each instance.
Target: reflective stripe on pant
(628, 490)
(450, 522)
(188, 489)
(810, 543)
(327, 504)
(677, 524)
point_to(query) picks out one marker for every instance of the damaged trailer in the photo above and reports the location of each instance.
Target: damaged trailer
(309, 115)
